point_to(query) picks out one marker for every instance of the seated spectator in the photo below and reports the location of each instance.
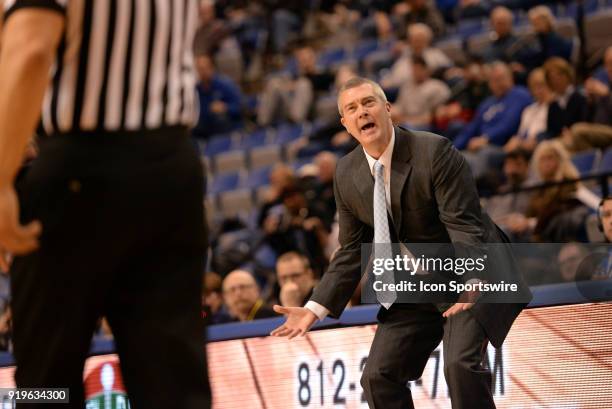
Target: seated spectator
(466, 96)
(281, 176)
(597, 133)
(292, 97)
(242, 297)
(297, 225)
(603, 75)
(605, 218)
(508, 207)
(220, 101)
(295, 279)
(214, 37)
(571, 255)
(409, 12)
(505, 45)
(569, 105)
(418, 99)
(548, 43)
(496, 120)
(326, 168)
(535, 117)
(213, 310)
(419, 41)
(555, 213)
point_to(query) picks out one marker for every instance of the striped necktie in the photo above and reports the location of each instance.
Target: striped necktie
(382, 237)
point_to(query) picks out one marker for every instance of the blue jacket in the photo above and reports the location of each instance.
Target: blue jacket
(497, 118)
(222, 89)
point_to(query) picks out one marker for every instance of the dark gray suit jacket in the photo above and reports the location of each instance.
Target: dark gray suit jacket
(433, 200)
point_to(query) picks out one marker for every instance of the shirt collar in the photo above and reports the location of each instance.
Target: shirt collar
(386, 156)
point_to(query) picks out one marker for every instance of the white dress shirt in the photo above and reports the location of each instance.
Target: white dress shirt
(319, 310)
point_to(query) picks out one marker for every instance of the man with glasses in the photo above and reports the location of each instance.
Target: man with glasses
(242, 297)
(295, 278)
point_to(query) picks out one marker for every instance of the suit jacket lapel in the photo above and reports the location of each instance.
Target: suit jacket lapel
(364, 182)
(400, 170)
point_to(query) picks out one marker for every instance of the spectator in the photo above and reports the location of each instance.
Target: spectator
(297, 226)
(555, 213)
(496, 120)
(292, 98)
(605, 218)
(571, 255)
(420, 11)
(598, 132)
(604, 73)
(220, 101)
(466, 96)
(535, 117)
(281, 176)
(508, 208)
(241, 295)
(295, 278)
(214, 37)
(326, 165)
(420, 37)
(503, 44)
(418, 99)
(548, 42)
(212, 299)
(569, 106)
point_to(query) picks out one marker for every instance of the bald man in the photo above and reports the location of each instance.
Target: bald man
(242, 297)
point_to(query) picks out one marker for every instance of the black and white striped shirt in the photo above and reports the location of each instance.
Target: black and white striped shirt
(121, 65)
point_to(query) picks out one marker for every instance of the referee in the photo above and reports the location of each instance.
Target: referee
(109, 218)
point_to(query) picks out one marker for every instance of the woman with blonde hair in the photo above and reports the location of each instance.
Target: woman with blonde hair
(557, 213)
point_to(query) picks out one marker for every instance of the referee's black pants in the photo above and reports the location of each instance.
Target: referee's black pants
(123, 237)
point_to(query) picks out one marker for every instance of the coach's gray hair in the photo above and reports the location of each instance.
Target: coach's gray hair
(356, 82)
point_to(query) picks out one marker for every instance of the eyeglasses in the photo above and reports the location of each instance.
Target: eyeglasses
(236, 288)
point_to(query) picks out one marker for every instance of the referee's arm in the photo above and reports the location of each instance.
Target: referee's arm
(29, 42)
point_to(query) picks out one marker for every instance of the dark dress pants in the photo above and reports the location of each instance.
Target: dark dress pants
(123, 237)
(406, 336)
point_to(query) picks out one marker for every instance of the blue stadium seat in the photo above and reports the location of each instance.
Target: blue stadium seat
(288, 133)
(257, 178)
(254, 139)
(584, 161)
(467, 28)
(217, 144)
(606, 161)
(364, 48)
(223, 183)
(331, 57)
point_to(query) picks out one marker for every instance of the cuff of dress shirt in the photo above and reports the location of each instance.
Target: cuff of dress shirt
(318, 310)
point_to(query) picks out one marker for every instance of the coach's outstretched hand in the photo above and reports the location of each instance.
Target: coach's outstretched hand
(299, 321)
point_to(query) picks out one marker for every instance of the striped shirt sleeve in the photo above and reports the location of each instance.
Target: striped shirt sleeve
(10, 6)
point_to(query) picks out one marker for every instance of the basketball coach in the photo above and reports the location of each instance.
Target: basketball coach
(109, 219)
(427, 195)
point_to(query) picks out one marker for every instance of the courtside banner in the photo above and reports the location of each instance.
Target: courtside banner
(554, 357)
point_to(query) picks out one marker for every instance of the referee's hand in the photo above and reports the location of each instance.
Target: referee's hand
(15, 238)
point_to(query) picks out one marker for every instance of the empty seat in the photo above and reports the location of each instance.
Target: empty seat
(331, 57)
(287, 133)
(606, 162)
(264, 156)
(230, 161)
(223, 182)
(257, 178)
(254, 139)
(236, 202)
(217, 144)
(584, 161)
